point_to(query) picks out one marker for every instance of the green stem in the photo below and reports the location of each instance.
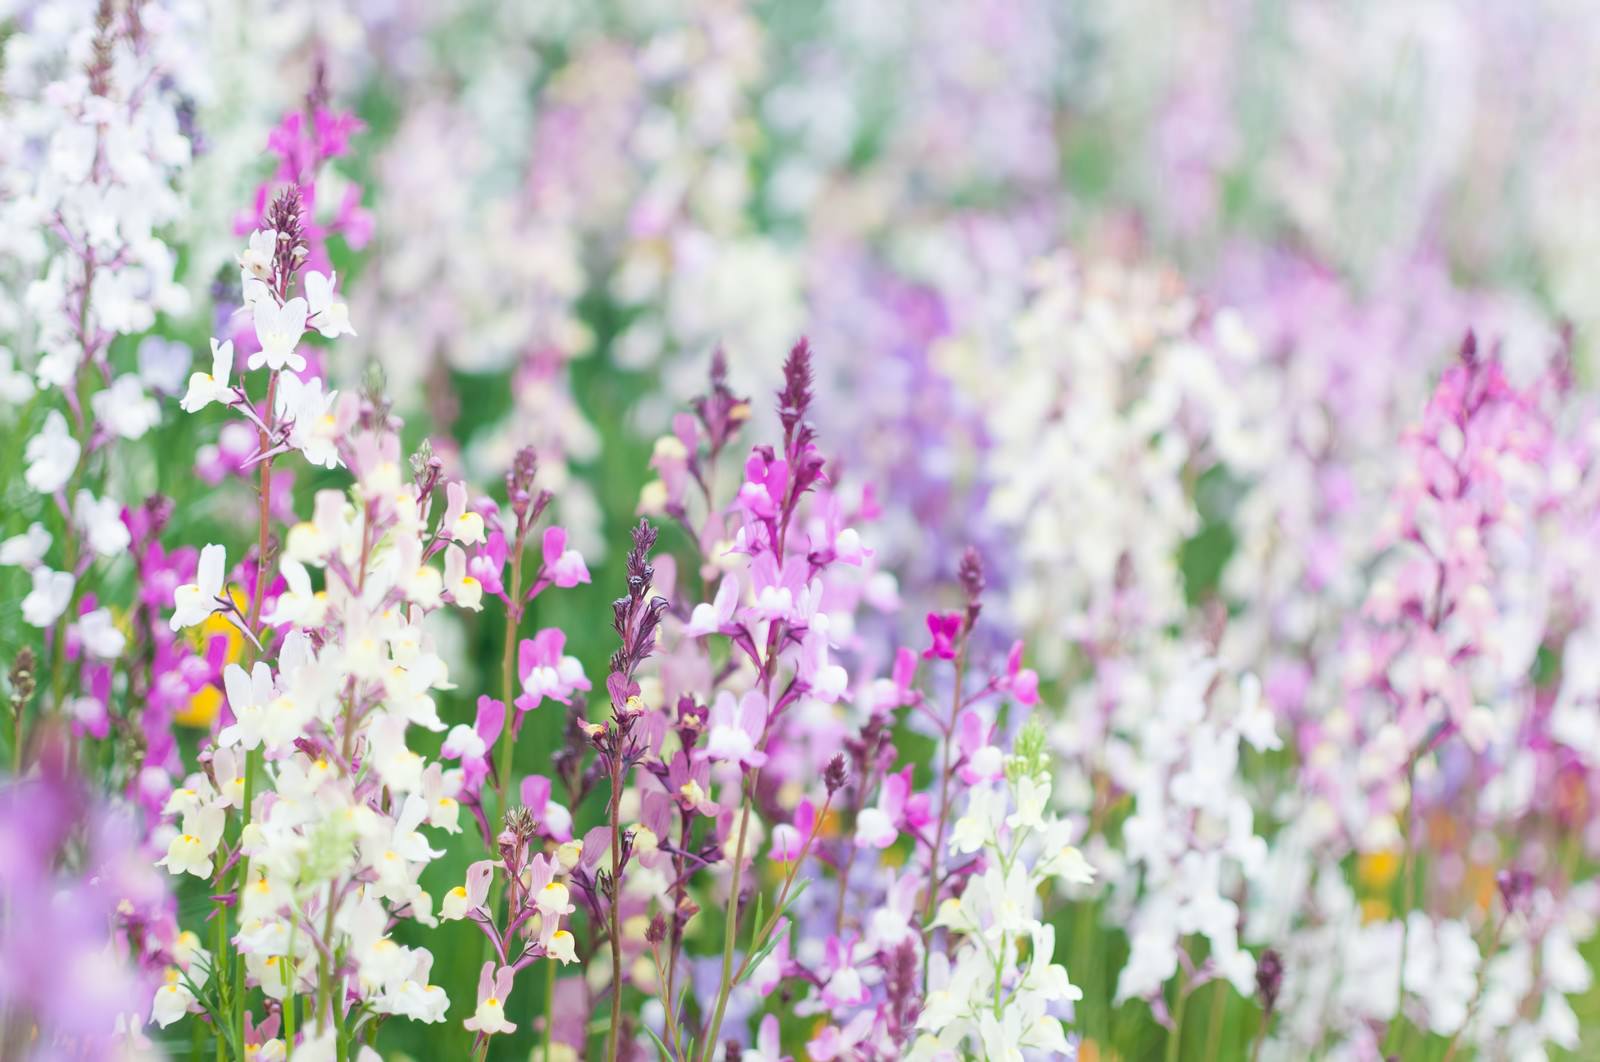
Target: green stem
(288, 987)
(1175, 1039)
(550, 1007)
(251, 764)
(730, 932)
(1219, 1003)
(218, 950)
(1396, 1032)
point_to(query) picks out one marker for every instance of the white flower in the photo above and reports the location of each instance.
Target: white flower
(980, 825)
(299, 604)
(16, 387)
(52, 592)
(101, 521)
(195, 601)
(27, 549)
(172, 1000)
(314, 427)
(464, 590)
(1033, 795)
(208, 387)
(562, 946)
(875, 829)
(190, 851)
(100, 635)
(125, 408)
(248, 697)
(278, 330)
(332, 315)
(255, 266)
(52, 455)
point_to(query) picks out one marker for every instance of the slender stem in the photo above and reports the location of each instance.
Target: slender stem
(508, 680)
(251, 762)
(616, 902)
(508, 672)
(730, 931)
(217, 952)
(550, 1006)
(325, 990)
(1219, 1002)
(685, 833)
(762, 931)
(673, 1040)
(1175, 1038)
(1261, 1035)
(1396, 1032)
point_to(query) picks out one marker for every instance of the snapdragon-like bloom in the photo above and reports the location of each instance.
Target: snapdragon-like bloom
(494, 985)
(193, 602)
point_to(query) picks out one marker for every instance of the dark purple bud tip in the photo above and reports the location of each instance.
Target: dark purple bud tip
(1269, 978)
(836, 774)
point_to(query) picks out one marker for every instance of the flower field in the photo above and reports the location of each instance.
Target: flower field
(701, 530)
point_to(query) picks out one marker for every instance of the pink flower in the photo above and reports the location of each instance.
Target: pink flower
(555, 821)
(471, 745)
(842, 985)
(493, 988)
(982, 761)
(766, 478)
(833, 1042)
(789, 839)
(780, 593)
(945, 628)
(1021, 682)
(716, 616)
(879, 826)
(563, 566)
(735, 729)
(488, 562)
(895, 691)
(767, 1047)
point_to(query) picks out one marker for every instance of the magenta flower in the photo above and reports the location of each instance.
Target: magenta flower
(945, 628)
